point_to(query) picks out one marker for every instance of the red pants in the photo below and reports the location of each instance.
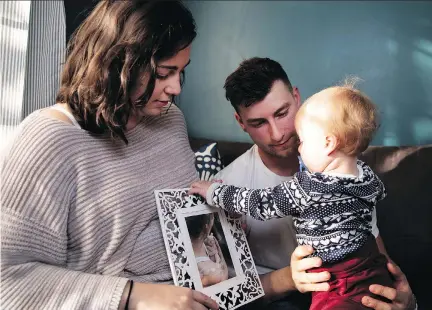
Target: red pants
(351, 278)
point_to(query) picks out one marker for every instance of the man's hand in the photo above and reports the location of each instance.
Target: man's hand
(401, 296)
(307, 281)
(200, 188)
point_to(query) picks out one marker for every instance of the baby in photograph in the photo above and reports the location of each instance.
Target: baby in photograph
(332, 201)
(208, 255)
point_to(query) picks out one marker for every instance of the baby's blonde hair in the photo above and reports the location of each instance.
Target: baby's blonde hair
(345, 112)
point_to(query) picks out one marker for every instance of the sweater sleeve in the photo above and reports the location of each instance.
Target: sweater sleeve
(37, 186)
(285, 199)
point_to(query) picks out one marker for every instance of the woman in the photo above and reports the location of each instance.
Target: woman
(208, 255)
(79, 222)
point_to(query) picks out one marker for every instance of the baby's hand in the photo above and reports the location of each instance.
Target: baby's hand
(200, 188)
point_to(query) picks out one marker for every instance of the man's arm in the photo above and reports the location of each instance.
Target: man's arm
(378, 238)
(381, 247)
(277, 282)
(295, 277)
(401, 296)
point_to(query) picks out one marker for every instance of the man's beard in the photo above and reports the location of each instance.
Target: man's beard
(290, 150)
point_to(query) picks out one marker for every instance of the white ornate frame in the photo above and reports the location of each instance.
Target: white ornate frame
(173, 206)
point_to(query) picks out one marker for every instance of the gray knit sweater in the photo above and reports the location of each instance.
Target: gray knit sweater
(78, 211)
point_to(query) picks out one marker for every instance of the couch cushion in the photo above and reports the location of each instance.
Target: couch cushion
(228, 150)
(208, 161)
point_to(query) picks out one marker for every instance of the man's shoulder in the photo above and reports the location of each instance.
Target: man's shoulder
(238, 166)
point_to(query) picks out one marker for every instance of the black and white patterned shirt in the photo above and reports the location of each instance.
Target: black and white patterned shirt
(332, 213)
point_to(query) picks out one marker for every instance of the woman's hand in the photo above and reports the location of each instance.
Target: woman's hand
(307, 281)
(146, 296)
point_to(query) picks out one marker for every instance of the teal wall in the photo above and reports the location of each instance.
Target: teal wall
(387, 44)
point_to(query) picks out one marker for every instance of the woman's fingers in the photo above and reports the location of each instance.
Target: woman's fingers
(204, 300)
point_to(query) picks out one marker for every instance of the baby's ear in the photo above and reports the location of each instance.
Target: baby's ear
(331, 144)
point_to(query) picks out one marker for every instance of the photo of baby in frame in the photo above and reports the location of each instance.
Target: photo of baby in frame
(207, 249)
(213, 265)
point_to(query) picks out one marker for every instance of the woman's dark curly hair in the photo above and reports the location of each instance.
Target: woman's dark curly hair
(117, 46)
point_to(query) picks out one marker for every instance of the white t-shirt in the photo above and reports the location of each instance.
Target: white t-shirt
(271, 242)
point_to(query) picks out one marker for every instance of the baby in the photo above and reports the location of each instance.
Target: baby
(208, 254)
(332, 202)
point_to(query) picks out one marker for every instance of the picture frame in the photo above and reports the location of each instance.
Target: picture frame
(225, 270)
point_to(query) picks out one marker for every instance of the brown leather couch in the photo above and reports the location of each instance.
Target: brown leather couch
(404, 217)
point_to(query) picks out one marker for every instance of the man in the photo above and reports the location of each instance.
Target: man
(265, 106)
